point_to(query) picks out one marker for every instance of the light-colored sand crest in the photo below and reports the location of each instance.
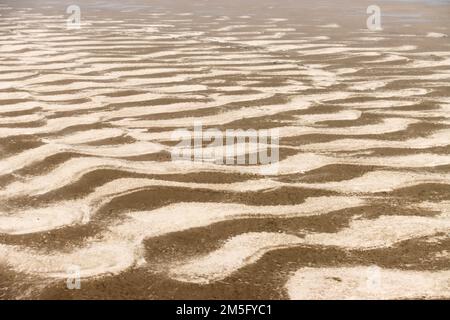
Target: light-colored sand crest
(22, 119)
(133, 98)
(245, 249)
(232, 256)
(279, 29)
(223, 118)
(15, 75)
(13, 96)
(48, 78)
(388, 57)
(424, 160)
(96, 259)
(44, 219)
(73, 169)
(120, 247)
(331, 25)
(51, 126)
(80, 211)
(87, 136)
(341, 115)
(154, 71)
(219, 100)
(378, 104)
(410, 92)
(363, 283)
(293, 88)
(367, 85)
(436, 35)
(107, 66)
(39, 68)
(440, 138)
(429, 64)
(384, 231)
(32, 156)
(370, 38)
(319, 76)
(279, 66)
(442, 112)
(58, 97)
(356, 51)
(55, 106)
(387, 125)
(378, 181)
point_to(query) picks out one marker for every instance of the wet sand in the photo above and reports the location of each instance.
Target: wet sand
(359, 207)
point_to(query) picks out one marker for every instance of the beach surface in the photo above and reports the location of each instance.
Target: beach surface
(359, 204)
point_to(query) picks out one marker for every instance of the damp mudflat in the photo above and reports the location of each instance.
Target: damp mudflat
(359, 203)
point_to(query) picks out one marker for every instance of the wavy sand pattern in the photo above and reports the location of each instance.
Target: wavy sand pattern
(359, 207)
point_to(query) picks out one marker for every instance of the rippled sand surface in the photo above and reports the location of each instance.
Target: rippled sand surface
(360, 204)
